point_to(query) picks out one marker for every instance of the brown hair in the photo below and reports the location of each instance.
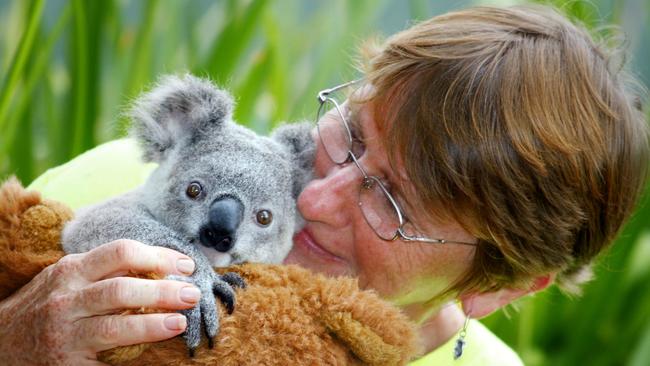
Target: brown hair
(522, 128)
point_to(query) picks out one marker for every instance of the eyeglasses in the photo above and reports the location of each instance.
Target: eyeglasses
(378, 206)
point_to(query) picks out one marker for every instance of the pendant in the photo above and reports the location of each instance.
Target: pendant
(460, 346)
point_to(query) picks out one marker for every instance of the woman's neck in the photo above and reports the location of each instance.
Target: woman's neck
(437, 325)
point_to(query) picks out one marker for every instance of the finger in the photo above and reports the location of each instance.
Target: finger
(125, 255)
(105, 332)
(107, 296)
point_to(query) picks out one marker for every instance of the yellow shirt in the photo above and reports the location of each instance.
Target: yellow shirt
(482, 348)
(114, 168)
(107, 170)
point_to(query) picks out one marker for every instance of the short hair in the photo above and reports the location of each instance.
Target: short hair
(518, 125)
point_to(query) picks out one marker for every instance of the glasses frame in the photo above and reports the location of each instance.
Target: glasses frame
(323, 97)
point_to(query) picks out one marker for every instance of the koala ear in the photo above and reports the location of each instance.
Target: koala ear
(296, 137)
(179, 109)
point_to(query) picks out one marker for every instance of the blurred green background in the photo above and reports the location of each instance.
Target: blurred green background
(69, 68)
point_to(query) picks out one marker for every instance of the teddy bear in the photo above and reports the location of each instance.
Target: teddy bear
(220, 194)
(286, 315)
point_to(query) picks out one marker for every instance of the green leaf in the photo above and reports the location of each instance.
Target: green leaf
(24, 52)
(228, 48)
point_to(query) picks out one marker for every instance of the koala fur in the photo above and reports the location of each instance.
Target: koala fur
(221, 194)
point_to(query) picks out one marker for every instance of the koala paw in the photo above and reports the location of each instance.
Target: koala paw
(205, 312)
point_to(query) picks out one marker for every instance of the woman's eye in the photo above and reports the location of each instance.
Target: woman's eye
(388, 187)
(264, 217)
(194, 190)
(358, 147)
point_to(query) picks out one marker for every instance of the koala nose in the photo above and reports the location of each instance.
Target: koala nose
(224, 217)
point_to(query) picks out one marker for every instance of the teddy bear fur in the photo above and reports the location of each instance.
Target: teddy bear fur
(285, 316)
(30, 230)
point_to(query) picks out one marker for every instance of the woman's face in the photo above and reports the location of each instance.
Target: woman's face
(337, 240)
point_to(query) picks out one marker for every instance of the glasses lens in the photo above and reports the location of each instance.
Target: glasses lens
(377, 208)
(334, 134)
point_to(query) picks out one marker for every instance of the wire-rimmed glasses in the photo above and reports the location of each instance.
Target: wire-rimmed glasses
(378, 206)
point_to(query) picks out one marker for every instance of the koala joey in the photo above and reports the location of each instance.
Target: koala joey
(221, 194)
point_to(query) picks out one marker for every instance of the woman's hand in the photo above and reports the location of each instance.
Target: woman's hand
(60, 316)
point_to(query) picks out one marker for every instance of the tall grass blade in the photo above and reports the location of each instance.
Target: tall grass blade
(140, 63)
(24, 52)
(80, 77)
(228, 48)
(249, 91)
(32, 79)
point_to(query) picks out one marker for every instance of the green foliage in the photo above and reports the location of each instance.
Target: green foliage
(68, 68)
(83, 61)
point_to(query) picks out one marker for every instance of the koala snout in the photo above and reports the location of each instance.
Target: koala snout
(224, 217)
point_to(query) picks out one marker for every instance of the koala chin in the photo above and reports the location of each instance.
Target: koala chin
(221, 194)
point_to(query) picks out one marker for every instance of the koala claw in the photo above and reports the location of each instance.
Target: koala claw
(223, 290)
(234, 280)
(192, 333)
(205, 312)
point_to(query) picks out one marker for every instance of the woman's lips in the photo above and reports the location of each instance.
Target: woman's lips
(305, 241)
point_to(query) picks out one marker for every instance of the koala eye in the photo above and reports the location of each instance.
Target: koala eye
(264, 217)
(194, 189)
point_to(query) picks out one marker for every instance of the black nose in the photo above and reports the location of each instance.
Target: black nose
(224, 217)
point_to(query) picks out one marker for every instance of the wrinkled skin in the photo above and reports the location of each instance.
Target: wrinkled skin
(59, 317)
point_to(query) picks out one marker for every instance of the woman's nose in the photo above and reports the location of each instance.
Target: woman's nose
(330, 198)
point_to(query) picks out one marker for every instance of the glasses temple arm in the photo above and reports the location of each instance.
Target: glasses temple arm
(407, 237)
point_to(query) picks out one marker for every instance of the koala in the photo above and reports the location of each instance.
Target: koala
(221, 194)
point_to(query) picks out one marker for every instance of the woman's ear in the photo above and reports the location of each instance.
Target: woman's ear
(481, 304)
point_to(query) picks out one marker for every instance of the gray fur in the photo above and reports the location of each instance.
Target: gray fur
(184, 124)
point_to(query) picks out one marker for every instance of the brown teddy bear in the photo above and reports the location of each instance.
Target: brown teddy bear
(285, 316)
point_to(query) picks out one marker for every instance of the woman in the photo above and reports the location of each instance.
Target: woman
(492, 152)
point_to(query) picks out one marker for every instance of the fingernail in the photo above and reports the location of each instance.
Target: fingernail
(175, 322)
(190, 294)
(185, 265)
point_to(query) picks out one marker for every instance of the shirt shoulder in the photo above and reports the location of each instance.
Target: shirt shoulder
(105, 171)
(482, 348)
